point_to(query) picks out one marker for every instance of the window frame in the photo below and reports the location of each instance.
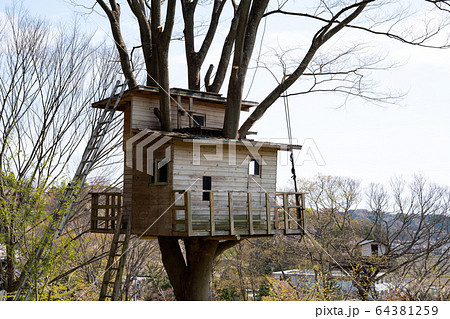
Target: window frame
(198, 114)
(257, 165)
(153, 179)
(205, 195)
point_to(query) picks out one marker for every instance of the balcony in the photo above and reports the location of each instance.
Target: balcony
(215, 213)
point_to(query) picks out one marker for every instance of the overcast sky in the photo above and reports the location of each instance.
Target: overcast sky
(359, 140)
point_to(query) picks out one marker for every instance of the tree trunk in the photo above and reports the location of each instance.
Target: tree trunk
(164, 91)
(247, 29)
(190, 277)
(161, 38)
(145, 32)
(113, 14)
(195, 59)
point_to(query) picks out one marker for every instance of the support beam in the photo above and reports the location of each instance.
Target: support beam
(191, 109)
(178, 111)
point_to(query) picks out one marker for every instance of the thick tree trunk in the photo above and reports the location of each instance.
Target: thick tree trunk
(138, 9)
(224, 58)
(195, 59)
(161, 38)
(113, 14)
(245, 41)
(190, 277)
(164, 91)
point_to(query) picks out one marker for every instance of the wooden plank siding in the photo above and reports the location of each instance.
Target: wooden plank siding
(143, 116)
(228, 178)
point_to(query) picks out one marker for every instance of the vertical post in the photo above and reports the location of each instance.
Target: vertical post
(191, 108)
(269, 222)
(188, 212)
(285, 213)
(119, 211)
(178, 111)
(230, 212)
(94, 211)
(109, 223)
(211, 214)
(303, 212)
(174, 212)
(250, 213)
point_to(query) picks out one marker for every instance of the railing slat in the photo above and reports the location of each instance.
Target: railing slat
(211, 214)
(230, 212)
(285, 213)
(250, 213)
(269, 229)
(188, 212)
(217, 216)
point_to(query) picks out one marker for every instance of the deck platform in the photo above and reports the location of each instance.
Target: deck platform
(215, 213)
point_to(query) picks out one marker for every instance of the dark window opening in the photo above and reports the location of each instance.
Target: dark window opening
(253, 167)
(206, 187)
(198, 120)
(160, 175)
(374, 248)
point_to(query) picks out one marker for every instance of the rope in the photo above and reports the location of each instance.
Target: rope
(289, 131)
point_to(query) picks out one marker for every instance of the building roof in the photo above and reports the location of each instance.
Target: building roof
(305, 272)
(365, 242)
(213, 98)
(210, 139)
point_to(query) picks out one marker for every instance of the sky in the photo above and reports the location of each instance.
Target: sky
(367, 142)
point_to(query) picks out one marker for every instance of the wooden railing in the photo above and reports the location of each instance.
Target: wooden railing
(237, 213)
(105, 209)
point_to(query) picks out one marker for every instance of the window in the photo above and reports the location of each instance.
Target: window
(374, 248)
(206, 187)
(160, 175)
(198, 120)
(253, 167)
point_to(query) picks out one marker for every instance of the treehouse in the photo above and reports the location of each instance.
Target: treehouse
(371, 248)
(192, 181)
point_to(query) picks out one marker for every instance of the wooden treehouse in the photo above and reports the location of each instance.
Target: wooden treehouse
(192, 181)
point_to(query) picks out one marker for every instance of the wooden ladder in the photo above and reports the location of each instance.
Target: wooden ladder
(112, 278)
(61, 215)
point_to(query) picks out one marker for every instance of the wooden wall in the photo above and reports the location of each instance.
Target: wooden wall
(150, 203)
(142, 114)
(225, 177)
(142, 201)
